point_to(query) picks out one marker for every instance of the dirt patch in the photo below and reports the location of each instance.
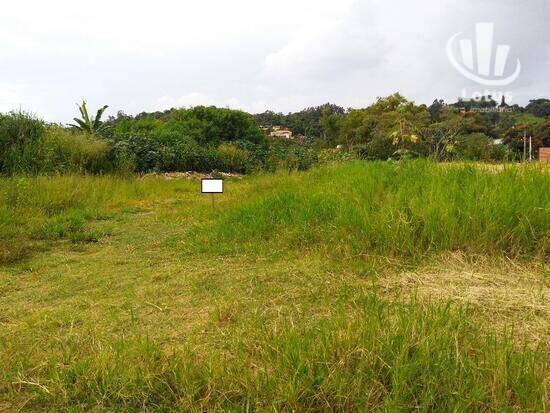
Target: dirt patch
(193, 175)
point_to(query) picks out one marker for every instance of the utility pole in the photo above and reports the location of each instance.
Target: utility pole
(530, 148)
(524, 145)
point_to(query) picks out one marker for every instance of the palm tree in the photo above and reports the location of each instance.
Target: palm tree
(86, 124)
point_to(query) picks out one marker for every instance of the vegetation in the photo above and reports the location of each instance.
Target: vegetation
(147, 299)
(403, 211)
(307, 122)
(209, 139)
(539, 107)
(29, 146)
(392, 285)
(89, 124)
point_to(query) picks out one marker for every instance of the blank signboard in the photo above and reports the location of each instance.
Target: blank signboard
(212, 186)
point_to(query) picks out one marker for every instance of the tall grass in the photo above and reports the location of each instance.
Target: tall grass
(407, 210)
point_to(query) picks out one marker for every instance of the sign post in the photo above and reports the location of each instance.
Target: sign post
(212, 186)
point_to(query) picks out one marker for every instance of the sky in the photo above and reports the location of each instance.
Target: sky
(255, 55)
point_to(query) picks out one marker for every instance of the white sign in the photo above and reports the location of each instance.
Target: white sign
(211, 186)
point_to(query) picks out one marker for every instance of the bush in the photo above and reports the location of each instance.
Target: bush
(334, 155)
(148, 154)
(289, 155)
(208, 126)
(200, 139)
(29, 146)
(233, 158)
(474, 146)
(20, 135)
(62, 150)
(380, 148)
(480, 147)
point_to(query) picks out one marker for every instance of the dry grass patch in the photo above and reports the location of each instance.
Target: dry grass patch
(504, 293)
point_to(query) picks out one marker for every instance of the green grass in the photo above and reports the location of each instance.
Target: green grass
(134, 295)
(52, 208)
(402, 211)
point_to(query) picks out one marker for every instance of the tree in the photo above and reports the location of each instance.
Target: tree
(542, 134)
(443, 136)
(330, 125)
(435, 109)
(86, 124)
(518, 136)
(539, 107)
(475, 146)
(305, 122)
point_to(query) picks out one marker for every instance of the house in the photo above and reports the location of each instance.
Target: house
(277, 131)
(281, 133)
(544, 154)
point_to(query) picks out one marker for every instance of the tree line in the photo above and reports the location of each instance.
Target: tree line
(209, 139)
(394, 127)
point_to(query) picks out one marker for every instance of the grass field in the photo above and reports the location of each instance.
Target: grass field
(356, 287)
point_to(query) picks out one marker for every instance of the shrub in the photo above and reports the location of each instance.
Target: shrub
(233, 158)
(148, 153)
(475, 146)
(29, 146)
(289, 155)
(334, 155)
(376, 149)
(64, 151)
(20, 135)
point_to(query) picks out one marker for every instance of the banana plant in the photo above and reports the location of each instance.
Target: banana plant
(86, 124)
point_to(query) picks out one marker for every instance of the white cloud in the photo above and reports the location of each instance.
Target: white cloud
(194, 99)
(9, 94)
(13, 96)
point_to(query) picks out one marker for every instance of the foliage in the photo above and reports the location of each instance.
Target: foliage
(542, 134)
(152, 154)
(480, 147)
(234, 159)
(20, 134)
(290, 156)
(206, 125)
(89, 124)
(517, 139)
(204, 139)
(209, 138)
(539, 107)
(307, 122)
(395, 128)
(435, 109)
(28, 146)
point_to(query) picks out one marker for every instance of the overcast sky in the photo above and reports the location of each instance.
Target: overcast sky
(251, 54)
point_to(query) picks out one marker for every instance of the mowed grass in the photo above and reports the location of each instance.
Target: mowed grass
(134, 295)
